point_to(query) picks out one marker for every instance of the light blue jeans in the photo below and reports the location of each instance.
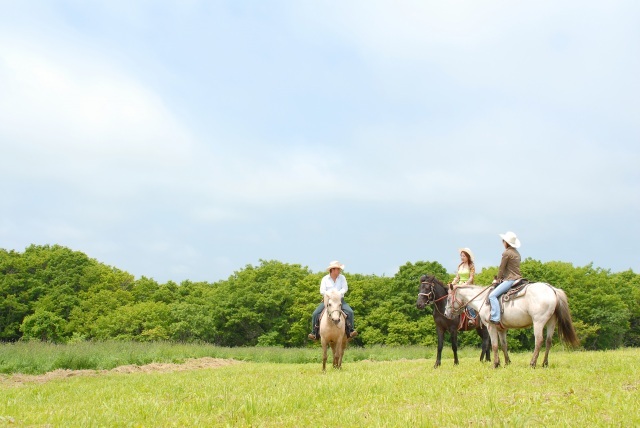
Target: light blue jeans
(494, 296)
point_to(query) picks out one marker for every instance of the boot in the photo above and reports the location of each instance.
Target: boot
(315, 333)
(351, 333)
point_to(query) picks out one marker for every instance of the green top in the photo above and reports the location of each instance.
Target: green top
(463, 274)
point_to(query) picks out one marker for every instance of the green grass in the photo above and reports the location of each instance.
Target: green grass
(388, 390)
(38, 357)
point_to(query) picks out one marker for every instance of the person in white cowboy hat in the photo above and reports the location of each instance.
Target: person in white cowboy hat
(466, 268)
(334, 280)
(508, 273)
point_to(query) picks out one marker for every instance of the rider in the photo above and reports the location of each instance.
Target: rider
(466, 268)
(466, 273)
(334, 280)
(508, 273)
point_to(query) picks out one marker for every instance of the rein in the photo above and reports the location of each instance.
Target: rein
(462, 306)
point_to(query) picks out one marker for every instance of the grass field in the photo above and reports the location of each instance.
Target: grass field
(376, 387)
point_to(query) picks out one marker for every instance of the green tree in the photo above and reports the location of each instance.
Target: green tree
(45, 326)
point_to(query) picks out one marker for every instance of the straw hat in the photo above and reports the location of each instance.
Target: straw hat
(335, 264)
(468, 251)
(511, 239)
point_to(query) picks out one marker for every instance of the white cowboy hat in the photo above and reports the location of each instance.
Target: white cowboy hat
(468, 251)
(335, 264)
(511, 239)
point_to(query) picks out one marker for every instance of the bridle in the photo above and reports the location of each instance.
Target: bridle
(431, 295)
(335, 310)
(338, 309)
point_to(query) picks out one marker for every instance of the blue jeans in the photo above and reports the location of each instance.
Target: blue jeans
(494, 296)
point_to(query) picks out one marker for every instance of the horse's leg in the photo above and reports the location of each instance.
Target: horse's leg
(479, 331)
(440, 331)
(551, 328)
(486, 344)
(337, 356)
(453, 331)
(502, 334)
(333, 352)
(493, 334)
(340, 353)
(538, 338)
(324, 354)
(483, 344)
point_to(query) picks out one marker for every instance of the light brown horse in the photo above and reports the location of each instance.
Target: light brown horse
(332, 329)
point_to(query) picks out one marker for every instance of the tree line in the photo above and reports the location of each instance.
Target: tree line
(52, 293)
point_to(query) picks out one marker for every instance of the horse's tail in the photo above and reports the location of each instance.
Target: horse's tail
(565, 325)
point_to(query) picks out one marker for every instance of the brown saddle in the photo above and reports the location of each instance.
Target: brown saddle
(518, 289)
(467, 321)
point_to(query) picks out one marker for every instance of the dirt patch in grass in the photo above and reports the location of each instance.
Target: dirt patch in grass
(190, 364)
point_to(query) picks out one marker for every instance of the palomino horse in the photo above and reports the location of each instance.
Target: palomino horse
(540, 305)
(433, 291)
(332, 329)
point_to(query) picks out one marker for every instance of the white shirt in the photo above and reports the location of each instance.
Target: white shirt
(327, 284)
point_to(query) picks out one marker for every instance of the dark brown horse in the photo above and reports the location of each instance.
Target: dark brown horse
(433, 291)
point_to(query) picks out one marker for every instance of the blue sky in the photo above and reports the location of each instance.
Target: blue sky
(185, 140)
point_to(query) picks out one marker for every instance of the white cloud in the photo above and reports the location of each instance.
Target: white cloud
(407, 117)
(75, 111)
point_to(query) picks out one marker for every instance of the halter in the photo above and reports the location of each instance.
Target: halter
(431, 296)
(336, 310)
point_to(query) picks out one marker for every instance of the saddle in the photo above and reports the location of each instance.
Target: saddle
(467, 321)
(518, 289)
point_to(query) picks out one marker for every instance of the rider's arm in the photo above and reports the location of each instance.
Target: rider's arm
(323, 286)
(456, 279)
(472, 273)
(343, 285)
(503, 266)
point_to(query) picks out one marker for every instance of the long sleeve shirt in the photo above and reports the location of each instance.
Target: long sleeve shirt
(328, 284)
(509, 265)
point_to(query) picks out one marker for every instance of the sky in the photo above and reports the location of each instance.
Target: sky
(185, 140)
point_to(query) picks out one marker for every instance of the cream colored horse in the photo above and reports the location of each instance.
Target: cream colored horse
(542, 305)
(332, 329)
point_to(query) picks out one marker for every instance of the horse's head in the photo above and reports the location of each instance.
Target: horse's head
(426, 295)
(333, 305)
(454, 305)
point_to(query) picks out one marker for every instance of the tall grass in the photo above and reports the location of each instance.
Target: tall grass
(577, 389)
(38, 357)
